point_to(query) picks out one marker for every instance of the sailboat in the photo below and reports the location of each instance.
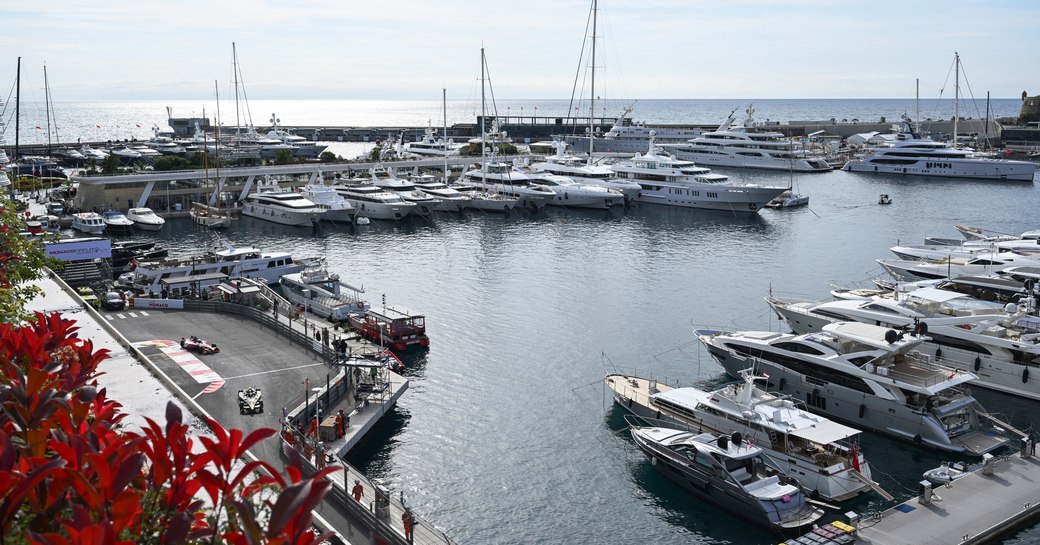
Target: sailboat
(481, 198)
(203, 213)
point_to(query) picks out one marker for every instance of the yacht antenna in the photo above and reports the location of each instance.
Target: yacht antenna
(592, 86)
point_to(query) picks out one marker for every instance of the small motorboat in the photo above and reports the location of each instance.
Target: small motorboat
(884, 199)
(946, 473)
(250, 401)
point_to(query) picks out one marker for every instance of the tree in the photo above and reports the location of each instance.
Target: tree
(70, 473)
(21, 261)
(170, 162)
(283, 157)
(329, 157)
(111, 164)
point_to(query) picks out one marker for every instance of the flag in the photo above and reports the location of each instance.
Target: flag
(138, 125)
(39, 128)
(98, 126)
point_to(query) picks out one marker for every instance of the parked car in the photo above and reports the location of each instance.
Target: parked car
(88, 296)
(113, 300)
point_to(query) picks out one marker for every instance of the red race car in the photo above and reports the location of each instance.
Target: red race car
(195, 344)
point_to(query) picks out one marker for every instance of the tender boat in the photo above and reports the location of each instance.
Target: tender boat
(144, 218)
(226, 259)
(116, 223)
(392, 327)
(820, 453)
(672, 182)
(320, 292)
(884, 199)
(88, 222)
(999, 343)
(870, 376)
(730, 473)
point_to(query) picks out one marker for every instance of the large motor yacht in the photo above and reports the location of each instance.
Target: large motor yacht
(669, 181)
(430, 145)
(627, 137)
(870, 376)
(580, 170)
(307, 149)
(571, 194)
(820, 453)
(450, 199)
(502, 178)
(334, 206)
(388, 180)
(374, 202)
(731, 473)
(746, 145)
(225, 260)
(907, 153)
(999, 343)
(323, 293)
(271, 203)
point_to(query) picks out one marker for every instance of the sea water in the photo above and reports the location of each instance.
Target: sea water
(507, 434)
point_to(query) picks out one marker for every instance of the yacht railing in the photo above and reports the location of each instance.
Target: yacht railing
(917, 369)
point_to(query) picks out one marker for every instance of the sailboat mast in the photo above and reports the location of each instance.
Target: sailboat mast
(592, 86)
(47, 105)
(17, 107)
(444, 105)
(956, 94)
(483, 112)
(216, 91)
(917, 105)
(234, 62)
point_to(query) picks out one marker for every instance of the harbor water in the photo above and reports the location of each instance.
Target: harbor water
(507, 435)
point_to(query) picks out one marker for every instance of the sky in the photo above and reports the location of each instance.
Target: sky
(411, 49)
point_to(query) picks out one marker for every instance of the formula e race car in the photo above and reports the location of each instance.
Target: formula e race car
(195, 344)
(250, 401)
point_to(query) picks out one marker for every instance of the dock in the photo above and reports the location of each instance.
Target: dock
(988, 503)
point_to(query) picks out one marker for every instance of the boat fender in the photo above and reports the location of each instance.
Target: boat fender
(630, 402)
(918, 439)
(707, 488)
(1025, 375)
(920, 328)
(783, 383)
(978, 362)
(862, 410)
(891, 336)
(815, 494)
(938, 353)
(658, 416)
(653, 460)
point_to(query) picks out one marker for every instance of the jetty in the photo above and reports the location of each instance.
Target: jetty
(980, 507)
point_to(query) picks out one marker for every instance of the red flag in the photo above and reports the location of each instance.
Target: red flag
(854, 455)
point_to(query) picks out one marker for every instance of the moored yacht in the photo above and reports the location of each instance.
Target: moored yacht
(430, 145)
(746, 145)
(668, 181)
(579, 170)
(302, 147)
(386, 179)
(144, 218)
(271, 203)
(333, 206)
(116, 223)
(570, 193)
(226, 259)
(88, 222)
(322, 293)
(628, 137)
(909, 154)
(999, 343)
(819, 453)
(730, 473)
(374, 202)
(870, 376)
(450, 199)
(499, 177)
